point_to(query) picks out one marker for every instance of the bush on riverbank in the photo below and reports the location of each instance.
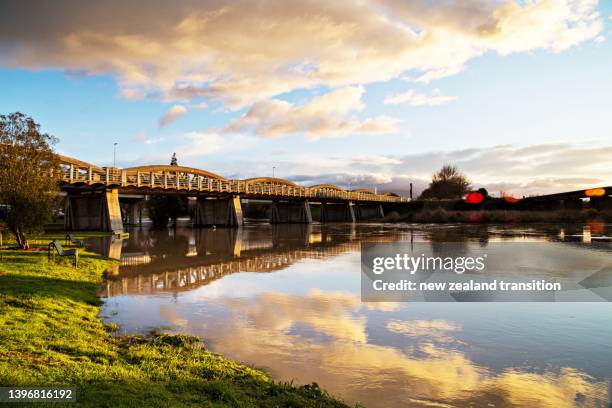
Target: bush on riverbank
(52, 335)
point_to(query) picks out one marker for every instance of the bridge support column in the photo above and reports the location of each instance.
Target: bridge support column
(343, 212)
(369, 212)
(99, 212)
(220, 212)
(284, 212)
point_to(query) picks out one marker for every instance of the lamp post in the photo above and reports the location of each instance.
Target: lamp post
(115, 154)
(273, 171)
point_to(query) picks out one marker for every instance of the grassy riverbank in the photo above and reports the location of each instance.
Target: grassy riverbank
(51, 335)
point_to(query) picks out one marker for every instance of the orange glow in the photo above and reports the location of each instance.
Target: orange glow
(474, 197)
(510, 199)
(597, 227)
(595, 192)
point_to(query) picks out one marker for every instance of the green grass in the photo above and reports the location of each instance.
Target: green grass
(51, 334)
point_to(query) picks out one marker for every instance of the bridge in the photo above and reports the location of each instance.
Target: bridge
(599, 198)
(93, 192)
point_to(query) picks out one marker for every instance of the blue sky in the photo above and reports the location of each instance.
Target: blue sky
(524, 113)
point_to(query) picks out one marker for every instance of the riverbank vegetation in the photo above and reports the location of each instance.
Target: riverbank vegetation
(441, 215)
(52, 336)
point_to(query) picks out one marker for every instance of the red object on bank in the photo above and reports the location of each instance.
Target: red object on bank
(510, 199)
(474, 197)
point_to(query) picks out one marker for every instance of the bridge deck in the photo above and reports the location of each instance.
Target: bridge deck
(189, 180)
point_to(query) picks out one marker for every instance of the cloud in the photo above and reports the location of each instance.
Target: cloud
(143, 137)
(413, 98)
(323, 116)
(514, 169)
(194, 145)
(172, 115)
(242, 52)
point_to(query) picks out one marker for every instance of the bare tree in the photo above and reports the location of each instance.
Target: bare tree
(29, 175)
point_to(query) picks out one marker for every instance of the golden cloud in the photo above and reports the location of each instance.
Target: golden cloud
(241, 52)
(325, 115)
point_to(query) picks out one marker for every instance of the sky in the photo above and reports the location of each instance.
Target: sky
(370, 93)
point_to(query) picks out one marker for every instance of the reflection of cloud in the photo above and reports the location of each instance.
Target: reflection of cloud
(348, 366)
(436, 329)
(326, 313)
(170, 313)
(242, 51)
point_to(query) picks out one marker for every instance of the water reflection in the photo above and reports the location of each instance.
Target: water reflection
(306, 322)
(183, 259)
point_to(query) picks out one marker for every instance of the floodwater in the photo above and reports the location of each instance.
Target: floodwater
(287, 299)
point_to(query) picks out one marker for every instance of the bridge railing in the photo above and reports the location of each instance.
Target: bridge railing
(181, 180)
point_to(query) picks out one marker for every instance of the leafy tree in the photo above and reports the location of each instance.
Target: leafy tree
(162, 208)
(29, 175)
(448, 183)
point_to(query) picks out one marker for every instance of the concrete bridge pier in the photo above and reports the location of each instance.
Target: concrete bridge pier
(220, 212)
(342, 212)
(366, 212)
(297, 212)
(93, 212)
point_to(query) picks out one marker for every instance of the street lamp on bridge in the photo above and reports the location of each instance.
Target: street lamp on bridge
(115, 154)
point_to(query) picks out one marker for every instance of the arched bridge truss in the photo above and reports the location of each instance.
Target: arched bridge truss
(160, 178)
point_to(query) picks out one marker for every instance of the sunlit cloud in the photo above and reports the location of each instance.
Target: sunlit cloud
(172, 115)
(413, 98)
(194, 145)
(242, 52)
(325, 115)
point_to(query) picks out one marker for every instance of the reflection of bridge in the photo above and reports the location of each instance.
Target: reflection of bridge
(93, 195)
(201, 256)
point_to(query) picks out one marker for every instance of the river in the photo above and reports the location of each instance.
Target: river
(287, 299)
